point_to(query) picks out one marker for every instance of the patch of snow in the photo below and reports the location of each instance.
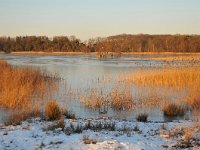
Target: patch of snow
(128, 135)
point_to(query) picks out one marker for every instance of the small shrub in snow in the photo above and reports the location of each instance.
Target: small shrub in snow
(68, 131)
(76, 128)
(109, 126)
(97, 126)
(164, 126)
(88, 140)
(88, 125)
(136, 128)
(142, 117)
(59, 124)
(173, 110)
(125, 129)
(128, 134)
(69, 115)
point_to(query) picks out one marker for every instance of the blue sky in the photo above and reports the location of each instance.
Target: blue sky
(93, 18)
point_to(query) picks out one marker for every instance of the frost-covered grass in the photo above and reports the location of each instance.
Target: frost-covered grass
(31, 134)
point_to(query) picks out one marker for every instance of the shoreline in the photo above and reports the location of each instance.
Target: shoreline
(92, 53)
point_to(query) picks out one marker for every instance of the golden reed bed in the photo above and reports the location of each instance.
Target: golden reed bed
(178, 79)
(21, 87)
(157, 86)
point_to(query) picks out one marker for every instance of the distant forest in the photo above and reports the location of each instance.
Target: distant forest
(118, 43)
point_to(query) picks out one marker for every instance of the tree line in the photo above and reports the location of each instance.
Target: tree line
(118, 43)
(41, 43)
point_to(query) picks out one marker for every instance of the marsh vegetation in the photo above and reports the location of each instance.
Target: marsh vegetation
(165, 85)
(23, 91)
(172, 90)
(90, 99)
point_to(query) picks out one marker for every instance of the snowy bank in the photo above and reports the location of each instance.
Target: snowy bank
(100, 134)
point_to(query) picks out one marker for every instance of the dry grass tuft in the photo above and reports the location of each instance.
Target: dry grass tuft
(121, 99)
(52, 110)
(87, 140)
(142, 117)
(194, 101)
(173, 110)
(188, 135)
(17, 116)
(58, 124)
(93, 99)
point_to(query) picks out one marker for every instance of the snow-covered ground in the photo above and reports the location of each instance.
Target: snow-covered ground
(36, 134)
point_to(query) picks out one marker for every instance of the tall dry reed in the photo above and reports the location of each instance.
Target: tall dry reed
(121, 98)
(118, 98)
(21, 87)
